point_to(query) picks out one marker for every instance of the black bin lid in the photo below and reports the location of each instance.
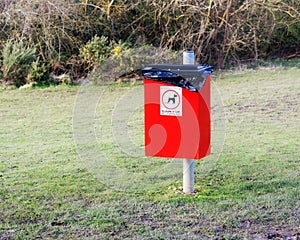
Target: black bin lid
(189, 76)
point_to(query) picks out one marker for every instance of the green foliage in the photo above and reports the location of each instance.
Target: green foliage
(287, 38)
(95, 51)
(125, 61)
(123, 58)
(294, 31)
(223, 32)
(16, 62)
(116, 58)
(39, 74)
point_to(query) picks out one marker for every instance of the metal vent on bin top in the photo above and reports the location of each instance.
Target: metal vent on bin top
(189, 76)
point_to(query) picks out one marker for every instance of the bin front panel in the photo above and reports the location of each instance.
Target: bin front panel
(184, 136)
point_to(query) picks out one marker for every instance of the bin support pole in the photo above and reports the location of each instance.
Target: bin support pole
(188, 176)
(188, 164)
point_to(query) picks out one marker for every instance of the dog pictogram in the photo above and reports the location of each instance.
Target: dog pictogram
(172, 99)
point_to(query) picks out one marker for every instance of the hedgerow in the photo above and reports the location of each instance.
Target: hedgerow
(221, 32)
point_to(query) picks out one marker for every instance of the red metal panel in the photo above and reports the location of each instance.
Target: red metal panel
(186, 136)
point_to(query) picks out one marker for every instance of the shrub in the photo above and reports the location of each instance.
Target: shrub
(16, 62)
(126, 62)
(39, 74)
(220, 32)
(95, 51)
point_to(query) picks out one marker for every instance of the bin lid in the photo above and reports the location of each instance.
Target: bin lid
(189, 76)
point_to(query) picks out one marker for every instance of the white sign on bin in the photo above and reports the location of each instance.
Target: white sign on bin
(170, 101)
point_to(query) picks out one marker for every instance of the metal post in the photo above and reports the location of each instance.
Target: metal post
(188, 164)
(188, 176)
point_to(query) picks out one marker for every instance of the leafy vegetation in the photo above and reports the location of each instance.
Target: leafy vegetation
(95, 51)
(16, 62)
(221, 32)
(39, 74)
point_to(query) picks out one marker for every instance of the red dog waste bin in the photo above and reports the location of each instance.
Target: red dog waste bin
(177, 111)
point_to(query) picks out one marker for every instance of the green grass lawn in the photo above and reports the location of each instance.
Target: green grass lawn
(55, 144)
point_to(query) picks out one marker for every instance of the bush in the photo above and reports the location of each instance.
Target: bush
(16, 62)
(39, 74)
(126, 61)
(220, 32)
(95, 51)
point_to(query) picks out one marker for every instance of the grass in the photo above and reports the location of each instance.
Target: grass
(55, 143)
